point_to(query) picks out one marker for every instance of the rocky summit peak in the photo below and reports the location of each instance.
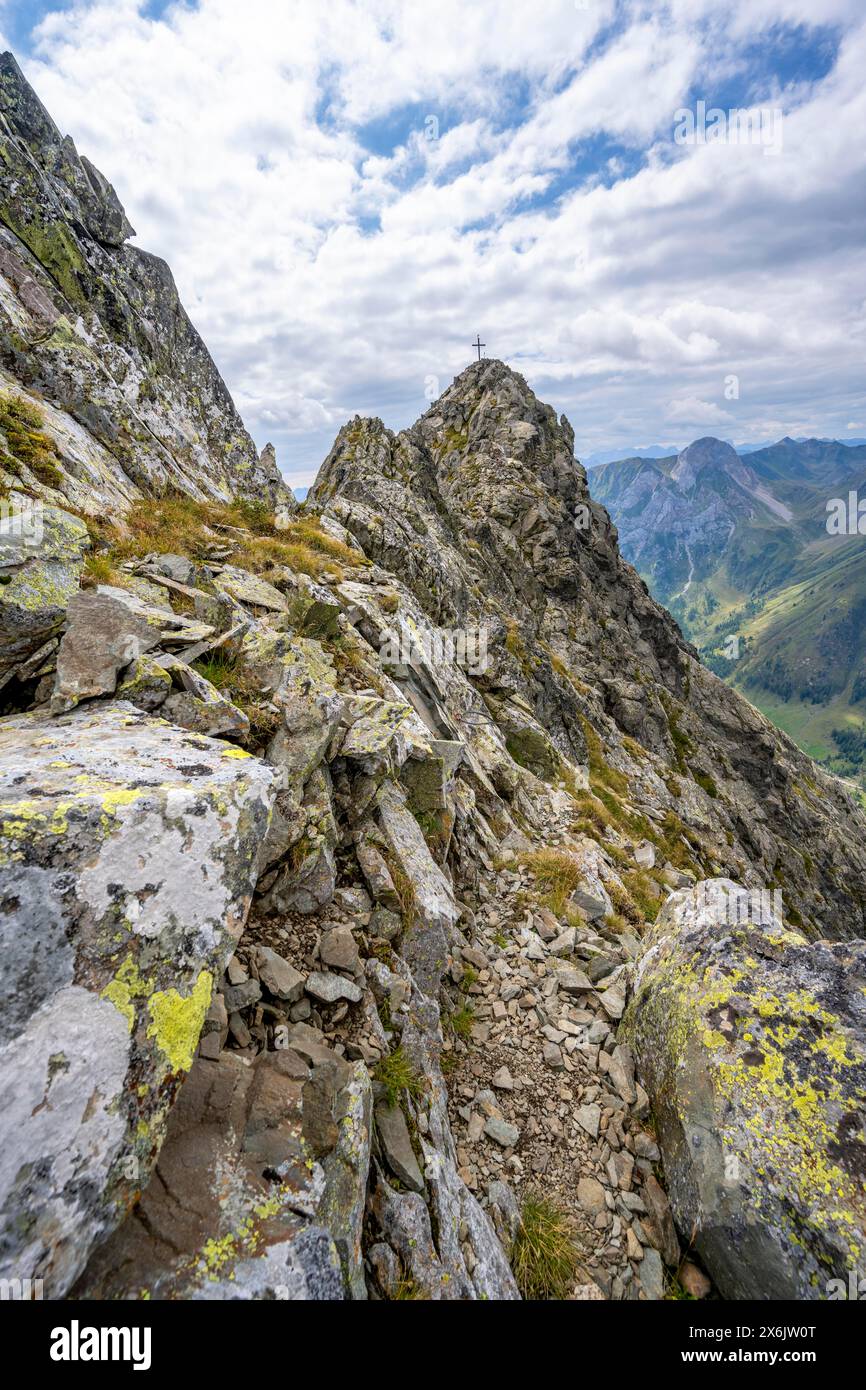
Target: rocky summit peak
(82, 193)
(707, 455)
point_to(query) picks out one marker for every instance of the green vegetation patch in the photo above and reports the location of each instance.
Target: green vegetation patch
(27, 443)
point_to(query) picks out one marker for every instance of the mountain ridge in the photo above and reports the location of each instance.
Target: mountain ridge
(93, 331)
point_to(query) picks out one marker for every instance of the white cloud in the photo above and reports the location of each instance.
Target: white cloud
(334, 257)
(697, 413)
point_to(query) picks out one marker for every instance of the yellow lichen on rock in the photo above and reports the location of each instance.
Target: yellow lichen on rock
(176, 1022)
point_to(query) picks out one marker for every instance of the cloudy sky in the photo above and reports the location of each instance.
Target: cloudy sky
(348, 191)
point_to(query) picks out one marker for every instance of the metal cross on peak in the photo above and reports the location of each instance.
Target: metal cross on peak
(479, 345)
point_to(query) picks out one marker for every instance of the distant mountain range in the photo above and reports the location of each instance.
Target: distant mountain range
(659, 451)
(738, 548)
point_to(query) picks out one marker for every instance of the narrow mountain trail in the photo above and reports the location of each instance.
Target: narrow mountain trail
(394, 907)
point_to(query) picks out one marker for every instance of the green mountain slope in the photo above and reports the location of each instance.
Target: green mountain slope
(739, 551)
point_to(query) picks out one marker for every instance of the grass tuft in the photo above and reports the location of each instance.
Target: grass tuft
(98, 569)
(396, 1074)
(544, 1257)
(556, 876)
(461, 1021)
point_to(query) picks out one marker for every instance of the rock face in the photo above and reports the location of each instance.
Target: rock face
(92, 328)
(41, 553)
(752, 1044)
(484, 512)
(128, 863)
(239, 1125)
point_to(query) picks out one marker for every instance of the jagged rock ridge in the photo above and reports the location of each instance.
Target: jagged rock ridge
(484, 511)
(93, 332)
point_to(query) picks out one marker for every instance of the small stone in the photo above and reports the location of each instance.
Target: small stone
(595, 908)
(339, 949)
(620, 1070)
(503, 1080)
(552, 1056)
(588, 1117)
(693, 1280)
(239, 1030)
(641, 1106)
(645, 854)
(475, 1127)
(385, 924)
(473, 956)
(353, 900)
(235, 972)
(613, 1002)
(652, 1275)
(646, 1147)
(590, 1195)
(598, 1031)
(397, 1146)
(659, 1209)
(571, 980)
(330, 988)
(634, 1249)
(503, 1133)
(620, 1169)
(210, 1046)
(279, 978)
(546, 925)
(601, 966)
(242, 996)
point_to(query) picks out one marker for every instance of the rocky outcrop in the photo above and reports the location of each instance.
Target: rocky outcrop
(128, 862)
(484, 512)
(752, 1045)
(289, 1136)
(92, 333)
(41, 555)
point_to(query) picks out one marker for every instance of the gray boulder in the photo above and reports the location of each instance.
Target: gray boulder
(107, 629)
(751, 1043)
(292, 1229)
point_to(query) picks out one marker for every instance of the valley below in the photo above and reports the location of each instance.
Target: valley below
(744, 554)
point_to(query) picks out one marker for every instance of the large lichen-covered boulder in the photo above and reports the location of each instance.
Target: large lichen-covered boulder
(128, 854)
(751, 1043)
(41, 553)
